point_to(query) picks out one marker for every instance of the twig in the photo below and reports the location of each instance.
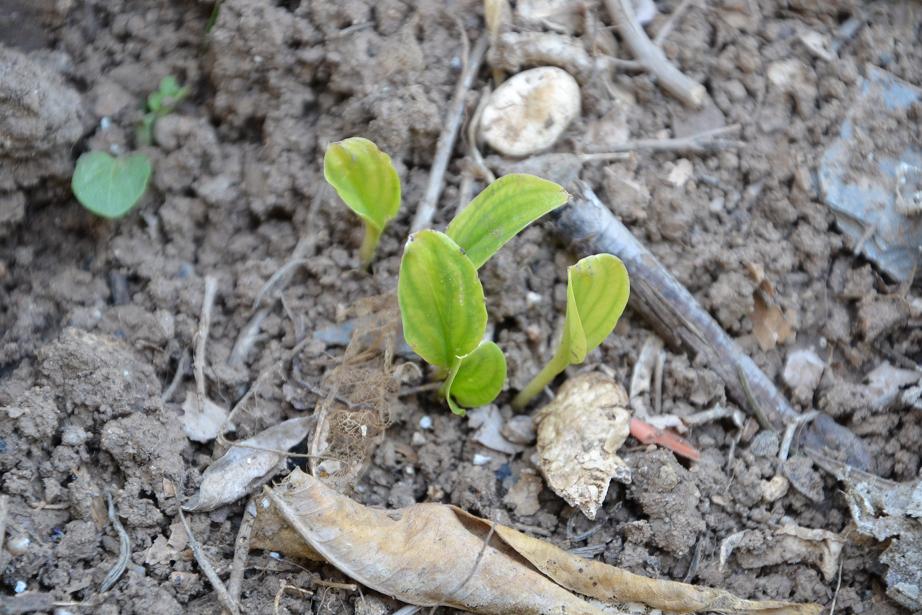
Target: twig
(706, 141)
(483, 550)
(124, 549)
(680, 319)
(658, 370)
(663, 32)
(277, 281)
(671, 79)
(201, 338)
(277, 603)
(181, 368)
(4, 511)
(241, 552)
(789, 431)
(835, 596)
(349, 587)
(446, 144)
(223, 597)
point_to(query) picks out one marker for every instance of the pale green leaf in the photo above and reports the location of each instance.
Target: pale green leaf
(480, 378)
(365, 179)
(504, 208)
(441, 299)
(110, 187)
(597, 293)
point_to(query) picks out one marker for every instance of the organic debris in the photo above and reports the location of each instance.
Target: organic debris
(433, 554)
(360, 392)
(202, 421)
(789, 544)
(248, 464)
(579, 434)
(888, 512)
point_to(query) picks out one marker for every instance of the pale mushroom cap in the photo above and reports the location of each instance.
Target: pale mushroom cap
(529, 112)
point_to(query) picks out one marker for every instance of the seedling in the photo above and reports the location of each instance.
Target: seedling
(160, 103)
(110, 187)
(441, 298)
(597, 292)
(365, 179)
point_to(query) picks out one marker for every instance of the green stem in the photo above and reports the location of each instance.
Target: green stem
(369, 245)
(445, 389)
(557, 364)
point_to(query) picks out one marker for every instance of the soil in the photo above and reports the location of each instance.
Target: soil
(96, 316)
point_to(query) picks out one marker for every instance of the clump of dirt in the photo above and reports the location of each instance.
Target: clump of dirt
(42, 119)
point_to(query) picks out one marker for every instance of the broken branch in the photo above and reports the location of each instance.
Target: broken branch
(670, 78)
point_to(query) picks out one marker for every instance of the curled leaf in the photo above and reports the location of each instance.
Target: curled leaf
(501, 211)
(597, 293)
(479, 379)
(365, 179)
(441, 299)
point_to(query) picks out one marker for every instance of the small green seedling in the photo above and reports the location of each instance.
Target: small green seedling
(110, 187)
(441, 298)
(160, 103)
(597, 292)
(365, 179)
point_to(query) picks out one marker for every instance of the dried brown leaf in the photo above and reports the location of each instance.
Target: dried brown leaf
(247, 464)
(433, 554)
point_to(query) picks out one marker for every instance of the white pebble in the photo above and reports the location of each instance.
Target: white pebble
(480, 460)
(425, 422)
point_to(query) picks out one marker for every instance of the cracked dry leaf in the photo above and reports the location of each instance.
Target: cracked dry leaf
(434, 554)
(579, 434)
(243, 468)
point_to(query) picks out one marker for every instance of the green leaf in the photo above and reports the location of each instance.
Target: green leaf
(504, 208)
(597, 293)
(441, 299)
(365, 179)
(480, 377)
(110, 187)
(167, 96)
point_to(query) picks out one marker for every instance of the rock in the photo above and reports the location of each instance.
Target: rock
(523, 496)
(520, 429)
(802, 373)
(529, 112)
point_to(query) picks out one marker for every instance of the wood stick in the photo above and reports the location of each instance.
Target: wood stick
(241, 552)
(201, 338)
(681, 320)
(670, 78)
(207, 569)
(446, 144)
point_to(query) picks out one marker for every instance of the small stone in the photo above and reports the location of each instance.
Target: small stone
(681, 173)
(802, 373)
(529, 112)
(765, 444)
(520, 429)
(774, 489)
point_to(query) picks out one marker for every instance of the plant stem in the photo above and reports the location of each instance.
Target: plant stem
(557, 364)
(445, 389)
(369, 245)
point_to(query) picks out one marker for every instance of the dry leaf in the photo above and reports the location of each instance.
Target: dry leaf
(769, 324)
(790, 544)
(579, 434)
(243, 468)
(433, 554)
(202, 421)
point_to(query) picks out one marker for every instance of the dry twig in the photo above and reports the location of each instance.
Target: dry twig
(241, 551)
(181, 368)
(674, 17)
(446, 144)
(670, 78)
(124, 549)
(207, 569)
(201, 338)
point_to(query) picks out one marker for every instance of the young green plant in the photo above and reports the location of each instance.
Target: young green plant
(367, 182)
(160, 103)
(440, 295)
(110, 187)
(597, 292)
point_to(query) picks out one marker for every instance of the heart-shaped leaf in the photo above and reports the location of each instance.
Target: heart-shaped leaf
(479, 378)
(597, 293)
(504, 208)
(110, 187)
(441, 299)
